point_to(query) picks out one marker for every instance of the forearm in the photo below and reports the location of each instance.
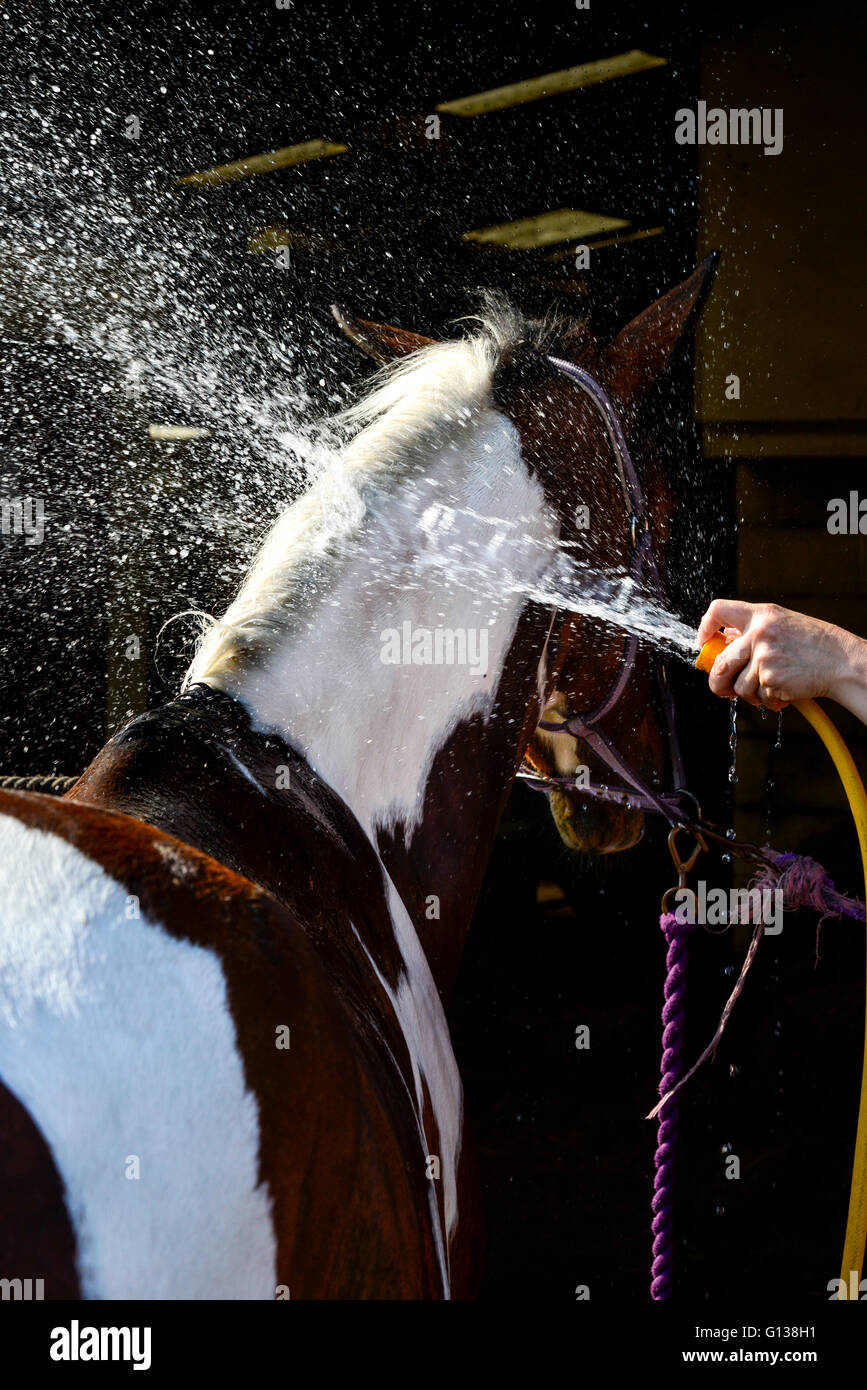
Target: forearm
(850, 689)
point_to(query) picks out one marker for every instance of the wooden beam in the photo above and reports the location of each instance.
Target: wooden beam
(609, 241)
(270, 238)
(566, 224)
(178, 432)
(552, 84)
(283, 158)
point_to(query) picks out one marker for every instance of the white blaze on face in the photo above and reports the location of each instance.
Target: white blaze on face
(118, 1040)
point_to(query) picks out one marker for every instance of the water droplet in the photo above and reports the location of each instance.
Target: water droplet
(733, 739)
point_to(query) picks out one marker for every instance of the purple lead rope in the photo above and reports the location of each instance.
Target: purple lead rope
(673, 1011)
(803, 883)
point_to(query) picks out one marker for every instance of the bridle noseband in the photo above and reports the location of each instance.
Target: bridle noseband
(643, 569)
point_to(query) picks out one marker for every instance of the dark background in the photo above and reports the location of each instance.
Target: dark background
(107, 261)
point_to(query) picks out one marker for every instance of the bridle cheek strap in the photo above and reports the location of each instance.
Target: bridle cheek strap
(644, 569)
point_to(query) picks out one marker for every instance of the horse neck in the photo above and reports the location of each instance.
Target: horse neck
(421, 738)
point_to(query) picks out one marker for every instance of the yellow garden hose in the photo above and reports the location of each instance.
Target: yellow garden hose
(856, 1224)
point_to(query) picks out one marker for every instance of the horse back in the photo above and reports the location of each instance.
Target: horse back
(191, 1110)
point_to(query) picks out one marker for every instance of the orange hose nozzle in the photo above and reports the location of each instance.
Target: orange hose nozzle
(710, 651)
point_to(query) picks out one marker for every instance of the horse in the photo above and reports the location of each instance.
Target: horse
(227, 952)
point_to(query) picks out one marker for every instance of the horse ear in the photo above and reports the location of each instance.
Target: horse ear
(643, 349)
(380, 341)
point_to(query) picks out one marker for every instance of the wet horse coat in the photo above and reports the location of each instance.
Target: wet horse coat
(221, 953)
(226, 1065)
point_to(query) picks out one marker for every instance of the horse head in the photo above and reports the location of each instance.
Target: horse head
(587, 665)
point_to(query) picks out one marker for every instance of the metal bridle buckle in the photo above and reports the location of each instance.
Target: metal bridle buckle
(682, 866)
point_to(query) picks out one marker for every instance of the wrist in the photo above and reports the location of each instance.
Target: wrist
(850, 690)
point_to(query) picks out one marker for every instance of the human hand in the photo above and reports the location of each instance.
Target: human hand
(776, 656)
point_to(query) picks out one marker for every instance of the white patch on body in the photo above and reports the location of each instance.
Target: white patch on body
(119, 1041)
(409, 1030)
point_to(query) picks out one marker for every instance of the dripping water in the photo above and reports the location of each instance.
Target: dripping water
(771, 783)
(732, 774)
(733, 740)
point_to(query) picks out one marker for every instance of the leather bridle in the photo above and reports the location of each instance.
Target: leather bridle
(643, 570)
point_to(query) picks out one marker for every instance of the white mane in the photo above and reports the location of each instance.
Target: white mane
(414, 404)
